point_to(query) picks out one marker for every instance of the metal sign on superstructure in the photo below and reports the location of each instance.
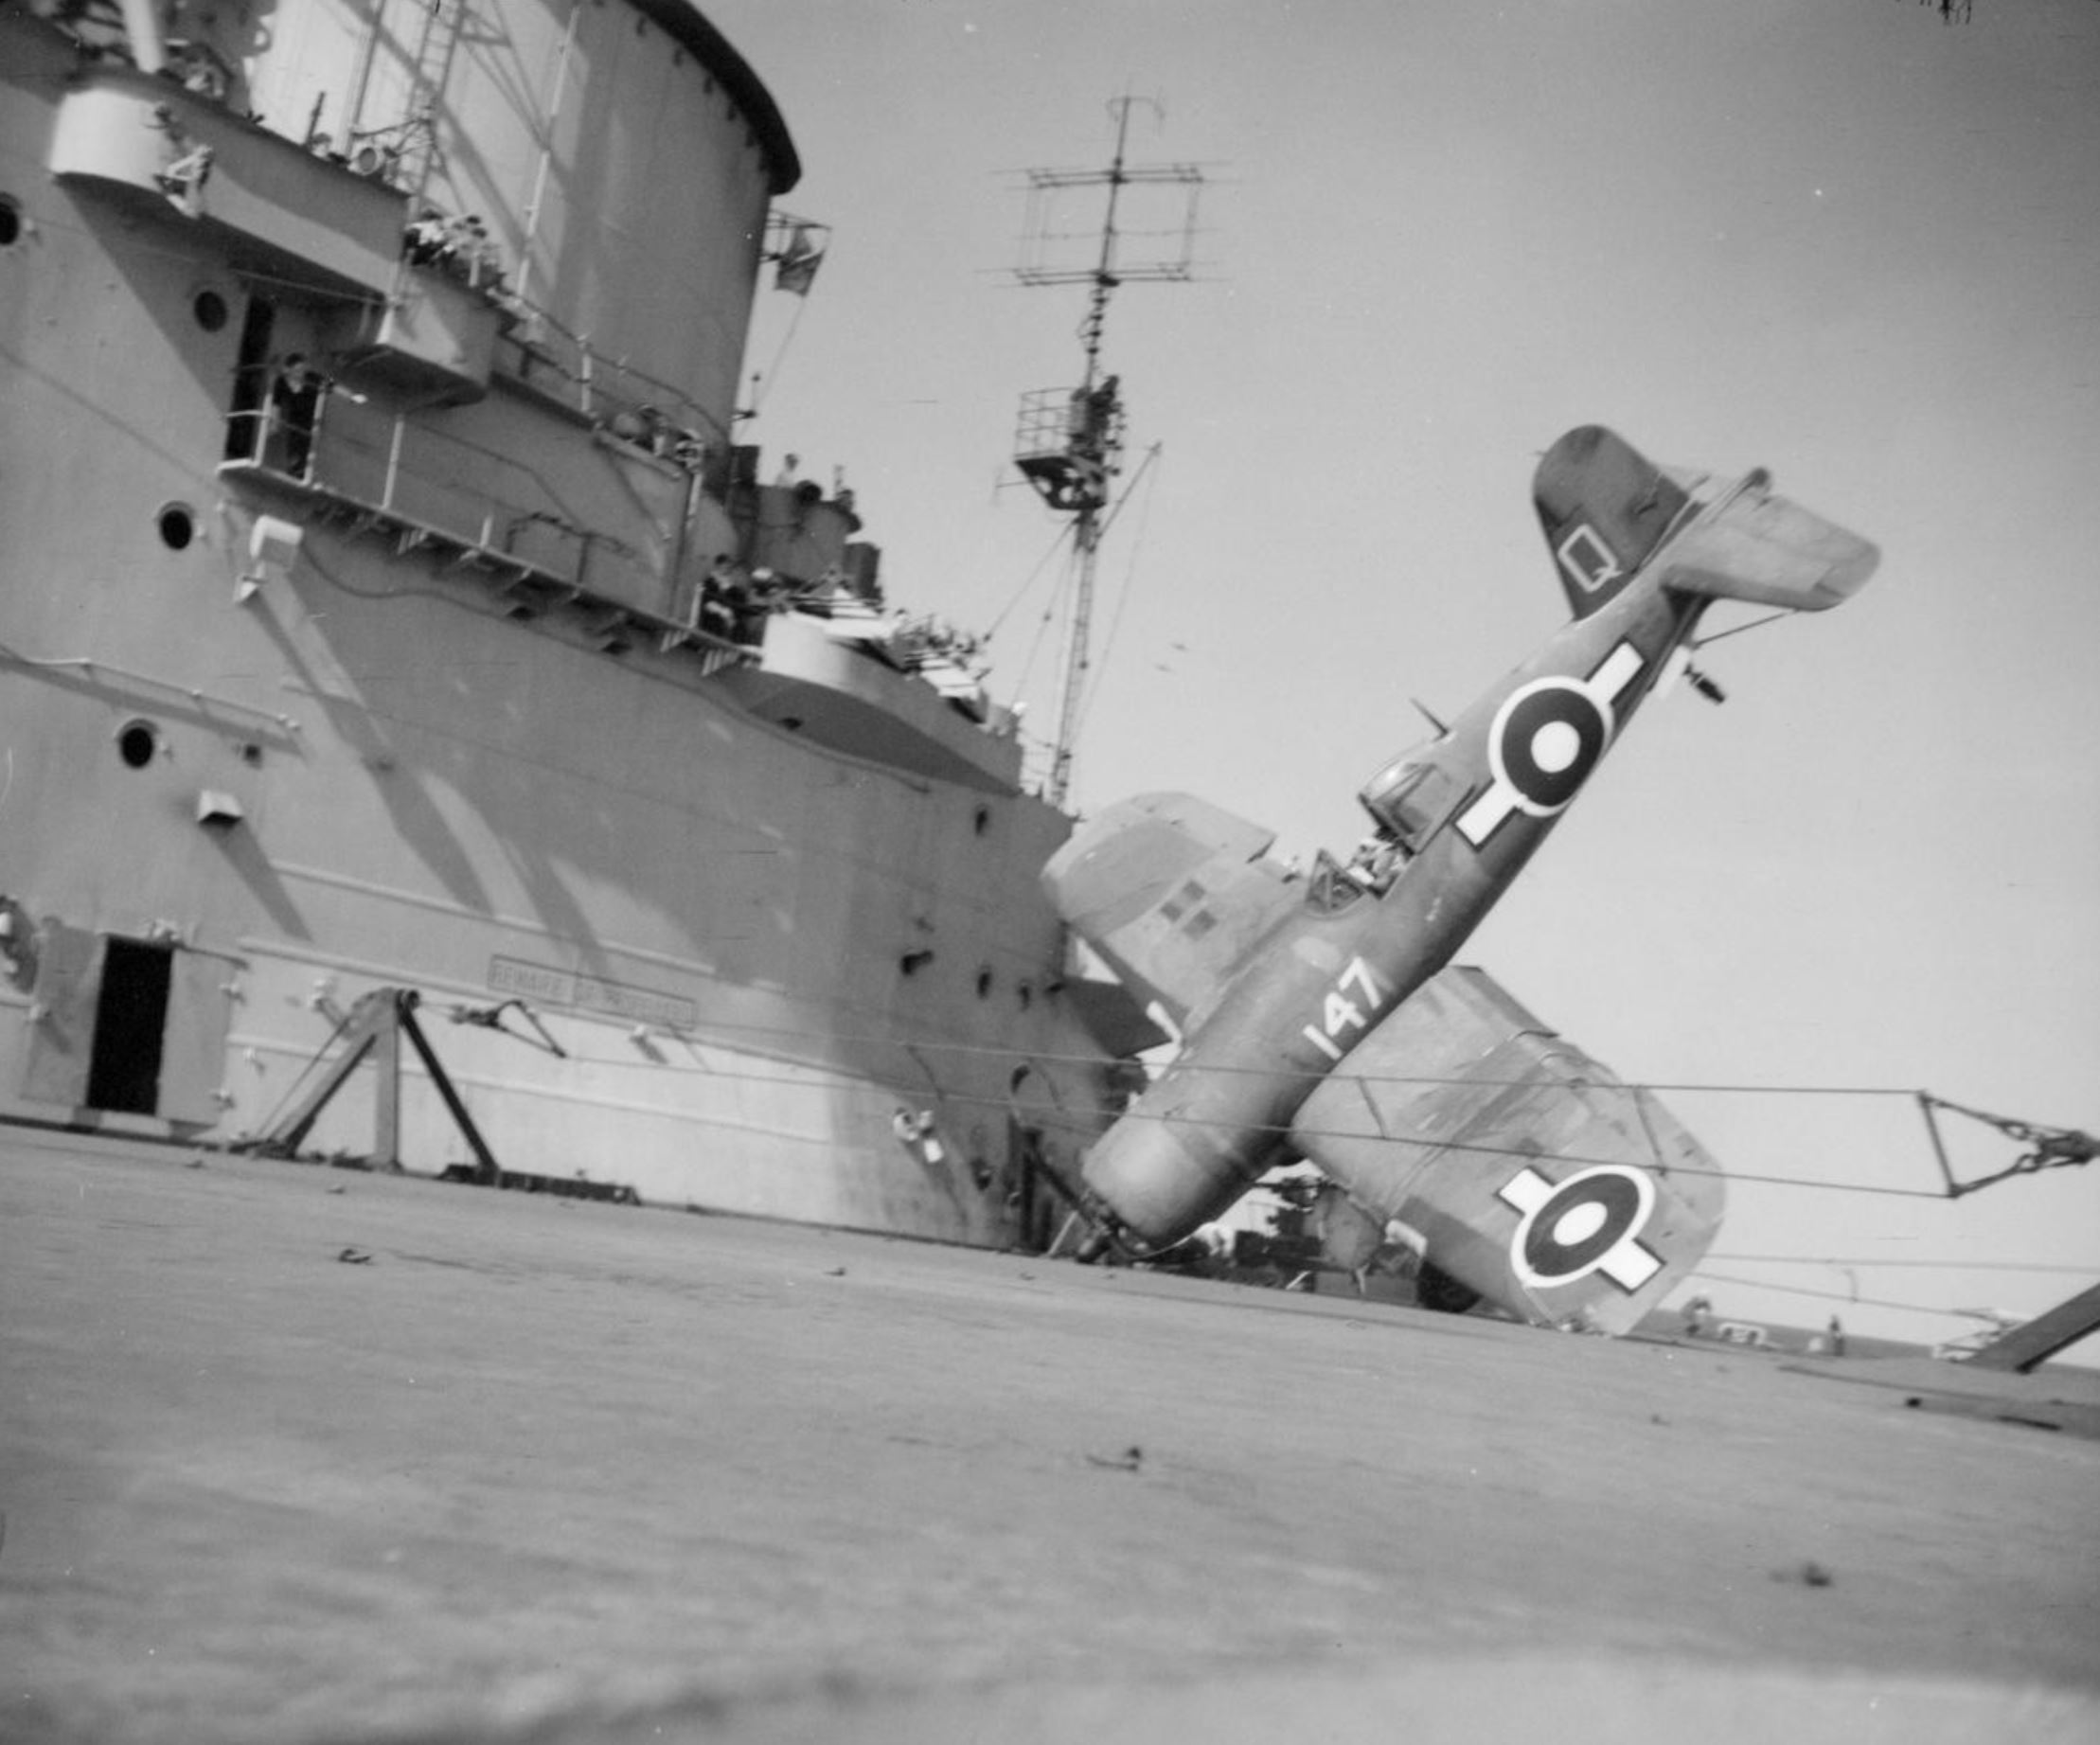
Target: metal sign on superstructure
(1070, 443)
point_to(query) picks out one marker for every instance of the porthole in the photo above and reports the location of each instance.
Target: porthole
(136, 743)
(983, 984)
(10, 222)
(981, 821)
(210, 310)
(178, 525)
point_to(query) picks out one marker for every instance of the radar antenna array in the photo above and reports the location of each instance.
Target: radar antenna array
(1070, 442)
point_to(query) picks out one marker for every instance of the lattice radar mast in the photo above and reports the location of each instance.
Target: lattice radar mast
(1070, 442)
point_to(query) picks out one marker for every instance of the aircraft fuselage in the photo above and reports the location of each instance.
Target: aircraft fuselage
(1340, 961)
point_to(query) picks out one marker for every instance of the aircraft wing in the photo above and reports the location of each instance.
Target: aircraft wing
(1532, 1172)
(1172, 892)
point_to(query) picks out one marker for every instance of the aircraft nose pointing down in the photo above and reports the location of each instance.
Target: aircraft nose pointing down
(1314, 1010)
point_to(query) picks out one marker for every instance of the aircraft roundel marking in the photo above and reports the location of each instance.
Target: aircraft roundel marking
(1592, 1222)
(1545, 739)
(1555, 746)
(1548, 736)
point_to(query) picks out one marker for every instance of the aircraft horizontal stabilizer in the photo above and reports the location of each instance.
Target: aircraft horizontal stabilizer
(1608, 512)
(1534, 1175)
(1770, 551)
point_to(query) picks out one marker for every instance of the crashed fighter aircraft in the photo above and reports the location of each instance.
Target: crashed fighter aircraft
(1306, 1028)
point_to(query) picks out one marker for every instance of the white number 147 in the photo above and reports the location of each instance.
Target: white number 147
(1340, 1013)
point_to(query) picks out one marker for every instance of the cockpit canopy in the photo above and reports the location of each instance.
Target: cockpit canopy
(1409, 797)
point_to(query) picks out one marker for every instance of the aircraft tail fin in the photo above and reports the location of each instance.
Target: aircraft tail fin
(1605, 508)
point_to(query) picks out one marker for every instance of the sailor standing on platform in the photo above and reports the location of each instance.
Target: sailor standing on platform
(295, 412)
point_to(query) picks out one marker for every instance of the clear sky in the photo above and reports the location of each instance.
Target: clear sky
(1836, 237)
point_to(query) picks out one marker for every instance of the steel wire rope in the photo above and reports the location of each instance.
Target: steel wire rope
(1130, 582)
(1956, 1266)
(1063, 533)
(1736, 629)
(314, 1063)
(1903, 1093)
(764, 381)
(937, 1046)
(1049, 612)
(1285, 1131)
(1028, 581)
(1830, 1296)
(1051, 607)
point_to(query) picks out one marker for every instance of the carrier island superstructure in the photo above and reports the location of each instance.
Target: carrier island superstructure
(390, 612)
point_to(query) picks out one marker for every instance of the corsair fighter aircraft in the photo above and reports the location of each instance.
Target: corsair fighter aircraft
(1531, 1176)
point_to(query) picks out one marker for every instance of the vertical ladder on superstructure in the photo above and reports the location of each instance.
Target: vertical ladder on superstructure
(444, 21)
